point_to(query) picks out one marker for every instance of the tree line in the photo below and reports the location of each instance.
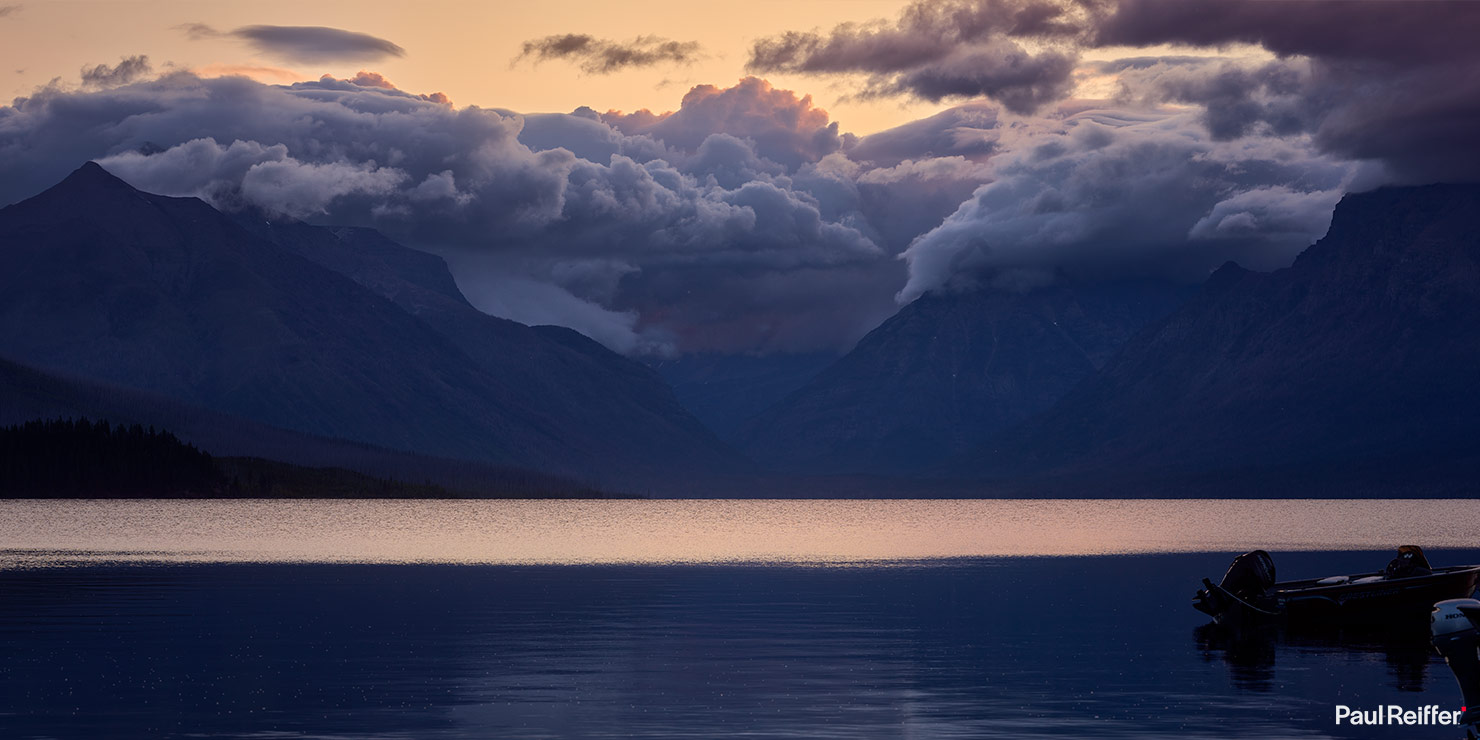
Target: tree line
(80, 457)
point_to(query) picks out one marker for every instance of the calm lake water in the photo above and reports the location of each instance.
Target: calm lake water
(681, 619)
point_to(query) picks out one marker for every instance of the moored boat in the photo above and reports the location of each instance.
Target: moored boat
(1407, 586)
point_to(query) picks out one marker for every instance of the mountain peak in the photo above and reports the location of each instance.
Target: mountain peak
(1225, 276)
(90, 184)
(92, 174)
(169, 296)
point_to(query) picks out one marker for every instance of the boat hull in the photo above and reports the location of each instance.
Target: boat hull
(1376, 601)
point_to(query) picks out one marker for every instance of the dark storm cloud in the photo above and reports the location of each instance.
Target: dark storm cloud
(1417, 120)
(1237, 98)
(307, 44)
(1400, 32)
(923, 33)
(1385, 80)
(130, 69)
(604, 56)
(939, 50)
(1003, 71)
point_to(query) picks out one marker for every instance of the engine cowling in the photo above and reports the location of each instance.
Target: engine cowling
(1455, 627)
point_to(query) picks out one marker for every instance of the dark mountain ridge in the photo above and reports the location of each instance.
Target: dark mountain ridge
(1357, 361)
(949, 370)
(727, 390)
(170, 296)
(573, 377)
(27, 394)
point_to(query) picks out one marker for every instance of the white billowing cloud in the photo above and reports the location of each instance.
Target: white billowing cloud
(969, 130)
(743, 221)
(783, 127)
(247, 172)
(536, 303)
(199, 167)
(301, 190)
(1275, 212)
(361, 152)
(1099, 192)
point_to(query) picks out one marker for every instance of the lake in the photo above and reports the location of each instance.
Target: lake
(681, 619)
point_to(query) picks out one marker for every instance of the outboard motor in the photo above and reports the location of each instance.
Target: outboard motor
(1247, 579)
(1250, 575)
(1455, 625)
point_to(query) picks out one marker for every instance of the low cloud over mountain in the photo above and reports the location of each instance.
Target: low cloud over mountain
(747, 220)
(1105, 192)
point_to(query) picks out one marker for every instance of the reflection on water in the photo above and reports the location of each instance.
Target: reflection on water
(41, 533)
(1029, 647)
(682, 619)
(1251, 652)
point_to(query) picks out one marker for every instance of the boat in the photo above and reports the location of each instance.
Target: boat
(1408, 586)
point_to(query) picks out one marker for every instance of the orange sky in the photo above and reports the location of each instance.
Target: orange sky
(464, 49)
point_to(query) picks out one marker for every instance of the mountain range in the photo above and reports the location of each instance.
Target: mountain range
(949, 370)
(1349, 372)
(1352, 371)
(340, 335)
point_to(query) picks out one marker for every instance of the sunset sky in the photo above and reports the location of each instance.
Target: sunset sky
(825, 161)
(466, 50)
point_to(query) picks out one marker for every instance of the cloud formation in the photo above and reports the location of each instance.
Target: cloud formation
(1102, 193)
(939, 50)
(603, 56)
(653, 248)
(130, 69)
(1392, 31)
(304, 44)
(1392, 81)
(247, 173)
(256, 72)
(785, 128)
(1386, 80)
(969, 131)
(747, 220)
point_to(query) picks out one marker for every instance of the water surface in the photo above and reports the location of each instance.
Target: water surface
(39, 532)
(689, 619)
